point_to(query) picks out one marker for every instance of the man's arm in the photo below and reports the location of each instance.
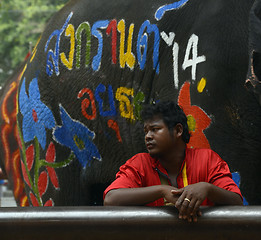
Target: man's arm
(221, 196)
(193, 195)
(139, 196)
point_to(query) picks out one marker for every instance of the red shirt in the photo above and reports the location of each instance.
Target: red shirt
(199, 165)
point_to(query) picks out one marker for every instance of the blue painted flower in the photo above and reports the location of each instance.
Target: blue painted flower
(36, 115)
(78, 138)
(237, 178)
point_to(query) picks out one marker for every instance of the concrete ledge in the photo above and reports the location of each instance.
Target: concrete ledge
(128, 223)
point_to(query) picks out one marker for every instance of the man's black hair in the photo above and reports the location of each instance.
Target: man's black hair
(171, 115)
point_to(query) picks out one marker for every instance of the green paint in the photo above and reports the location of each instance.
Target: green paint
(83, 26)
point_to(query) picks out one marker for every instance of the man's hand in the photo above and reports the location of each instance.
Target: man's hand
(190, 199)
(192, 196)
(168, 195)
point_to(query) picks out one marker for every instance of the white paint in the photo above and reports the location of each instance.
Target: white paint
(175, 54)
(192, 46)
(168, 39)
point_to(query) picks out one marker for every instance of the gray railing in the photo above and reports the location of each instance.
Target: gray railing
(126, 223)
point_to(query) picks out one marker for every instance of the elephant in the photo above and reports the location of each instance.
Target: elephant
(95, 66)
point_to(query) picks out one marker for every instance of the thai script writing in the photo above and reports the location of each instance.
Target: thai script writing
(111, 27)
(126, 54)
(129, 103)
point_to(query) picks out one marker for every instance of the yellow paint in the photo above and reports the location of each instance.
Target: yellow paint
(69, 33)
(35, 49)
(17, 182)
(125, 107)
(201, 85)
(191, 123)
(24, 201)
(79, 142)
(184, 175)
(128, 57)
(4, 110)
(22, 73)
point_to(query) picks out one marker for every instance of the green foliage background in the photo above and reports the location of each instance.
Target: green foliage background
(21, 24)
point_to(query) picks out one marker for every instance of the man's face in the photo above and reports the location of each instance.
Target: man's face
(158, 139)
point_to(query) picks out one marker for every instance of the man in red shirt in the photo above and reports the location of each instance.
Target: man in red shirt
(171, 173)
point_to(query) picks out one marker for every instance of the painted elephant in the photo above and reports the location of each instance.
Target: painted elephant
(98, 62)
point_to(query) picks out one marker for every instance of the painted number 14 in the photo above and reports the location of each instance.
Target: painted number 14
(192, 47)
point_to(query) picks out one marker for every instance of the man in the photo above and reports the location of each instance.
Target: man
(170, 172)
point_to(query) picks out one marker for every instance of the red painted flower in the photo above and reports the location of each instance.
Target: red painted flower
(30, 156)
(49, 203)
(42, 183)
(198, 120)
(29, 161)
(34, 200)
(50, 157)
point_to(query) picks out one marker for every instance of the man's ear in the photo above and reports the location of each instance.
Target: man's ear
(179, 130)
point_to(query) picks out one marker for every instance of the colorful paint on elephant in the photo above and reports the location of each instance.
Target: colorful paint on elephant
(169, 7)
(39, 183)
(37, 120)
(9, 137)
(78, 138)
(198, 120)
(31, 108)
(129, 104)
(127, 58)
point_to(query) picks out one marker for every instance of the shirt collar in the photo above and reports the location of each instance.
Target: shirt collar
(156, 164)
